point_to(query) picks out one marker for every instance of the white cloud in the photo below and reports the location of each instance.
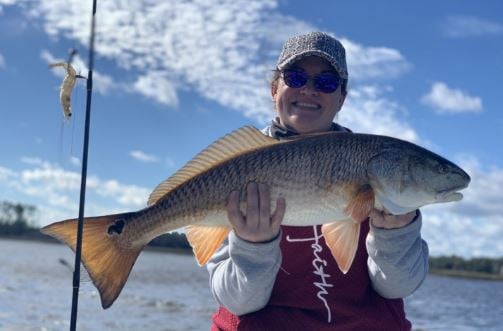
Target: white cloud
(448, 100)
(157, 86)
(470, 26)
(468, 236)
(6, 3)
(74, 161)
(374, 62)
(368, 110)
(57, 190)
(2, 62)
(126, 195)
(143, 157)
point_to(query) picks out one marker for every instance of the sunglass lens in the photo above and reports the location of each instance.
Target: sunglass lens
(326, 83)
(295, 78)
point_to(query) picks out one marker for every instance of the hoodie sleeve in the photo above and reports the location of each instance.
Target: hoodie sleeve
(242, 274)
(398, 259)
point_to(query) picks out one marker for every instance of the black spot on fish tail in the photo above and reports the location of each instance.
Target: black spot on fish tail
(117, 227)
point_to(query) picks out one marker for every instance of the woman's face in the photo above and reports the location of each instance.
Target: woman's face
(305, 110)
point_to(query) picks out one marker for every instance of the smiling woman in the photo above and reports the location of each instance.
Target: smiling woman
(263, 276)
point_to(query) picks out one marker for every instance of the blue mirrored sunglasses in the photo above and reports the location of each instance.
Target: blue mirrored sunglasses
(326, 82)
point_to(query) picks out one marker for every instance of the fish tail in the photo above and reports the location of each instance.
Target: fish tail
(106, 256)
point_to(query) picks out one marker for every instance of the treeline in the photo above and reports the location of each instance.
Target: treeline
(171, 240)
(17, 220)
(456, 263)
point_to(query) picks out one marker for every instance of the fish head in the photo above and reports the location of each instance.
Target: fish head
(407, 177)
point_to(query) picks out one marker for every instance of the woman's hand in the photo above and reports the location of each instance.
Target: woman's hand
(383, 219)
(257, 225)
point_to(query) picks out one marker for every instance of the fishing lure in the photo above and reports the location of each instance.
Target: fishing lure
(65, 91)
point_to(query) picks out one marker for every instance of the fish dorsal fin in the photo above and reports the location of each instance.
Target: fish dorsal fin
(242, 140)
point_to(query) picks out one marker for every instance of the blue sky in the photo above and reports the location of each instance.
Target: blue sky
(172, 76)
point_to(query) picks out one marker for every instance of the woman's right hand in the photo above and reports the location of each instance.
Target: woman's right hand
(257, 225)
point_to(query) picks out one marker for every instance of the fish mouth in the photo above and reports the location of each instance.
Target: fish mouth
(451, 194)
(448, 196)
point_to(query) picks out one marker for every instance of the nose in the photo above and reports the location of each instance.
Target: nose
(309, 89)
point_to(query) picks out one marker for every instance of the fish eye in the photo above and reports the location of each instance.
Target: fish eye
(441, 168)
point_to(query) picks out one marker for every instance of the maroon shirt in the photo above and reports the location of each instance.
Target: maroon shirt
(311, 293)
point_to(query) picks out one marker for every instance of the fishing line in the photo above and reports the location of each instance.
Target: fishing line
(78, 249)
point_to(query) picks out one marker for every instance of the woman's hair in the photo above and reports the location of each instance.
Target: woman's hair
(277, 74)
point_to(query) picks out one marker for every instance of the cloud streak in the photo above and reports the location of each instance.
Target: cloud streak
(143, 157)
(446, 100)
(59, 189)
(470, 26)
(367, 109)
(374, 62)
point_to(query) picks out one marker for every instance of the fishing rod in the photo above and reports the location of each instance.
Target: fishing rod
(78, 250)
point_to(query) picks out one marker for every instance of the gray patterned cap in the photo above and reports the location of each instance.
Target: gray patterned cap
(318, 44)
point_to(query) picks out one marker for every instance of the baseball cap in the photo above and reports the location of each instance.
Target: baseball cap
(317, 44)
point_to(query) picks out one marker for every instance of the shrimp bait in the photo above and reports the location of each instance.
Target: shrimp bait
(65, 91)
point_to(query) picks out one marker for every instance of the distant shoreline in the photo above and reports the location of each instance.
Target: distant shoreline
(466, 274)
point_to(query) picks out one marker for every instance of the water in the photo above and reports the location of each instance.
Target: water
(446, 303)
(170, 292)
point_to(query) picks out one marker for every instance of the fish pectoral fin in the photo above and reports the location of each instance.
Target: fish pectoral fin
(361, 204)
(342, 237)
(205, 240)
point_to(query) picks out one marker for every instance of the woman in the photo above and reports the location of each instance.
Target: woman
(272, 277)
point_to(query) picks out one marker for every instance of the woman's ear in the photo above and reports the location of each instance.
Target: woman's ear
(274, 90)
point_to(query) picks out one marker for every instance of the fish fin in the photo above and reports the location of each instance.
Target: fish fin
(205, 240)
(342, 238)
(237, 142)
(107, 259)
(361, 204)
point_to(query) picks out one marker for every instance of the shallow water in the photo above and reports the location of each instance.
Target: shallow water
(446, 303)
(170, 292)
(164, 292)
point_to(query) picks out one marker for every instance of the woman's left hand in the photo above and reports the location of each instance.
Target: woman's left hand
(383, 219)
